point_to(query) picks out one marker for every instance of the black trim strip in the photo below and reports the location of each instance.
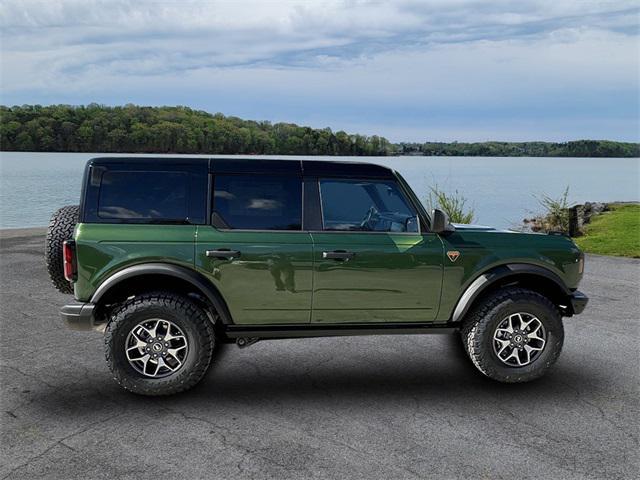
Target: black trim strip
(307, 330)
(312, 216)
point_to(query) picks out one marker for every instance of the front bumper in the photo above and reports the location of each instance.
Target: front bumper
(79, 316)
(578, 302)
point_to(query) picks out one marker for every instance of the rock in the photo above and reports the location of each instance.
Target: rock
(579, 215)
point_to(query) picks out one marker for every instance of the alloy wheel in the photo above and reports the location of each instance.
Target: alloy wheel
(519, 339)
(156, 348)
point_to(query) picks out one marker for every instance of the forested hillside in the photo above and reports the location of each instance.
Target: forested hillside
(135, 129)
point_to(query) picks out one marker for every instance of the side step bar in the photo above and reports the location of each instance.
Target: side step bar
(309, 331)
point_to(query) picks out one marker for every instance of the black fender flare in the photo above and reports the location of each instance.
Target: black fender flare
(497, 274)
(196, 279)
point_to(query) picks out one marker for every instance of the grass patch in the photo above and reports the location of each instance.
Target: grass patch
(616, 232)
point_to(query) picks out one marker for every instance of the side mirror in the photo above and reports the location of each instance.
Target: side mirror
(440, 222)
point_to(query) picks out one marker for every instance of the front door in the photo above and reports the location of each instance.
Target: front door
(255, 252)
(371, 263)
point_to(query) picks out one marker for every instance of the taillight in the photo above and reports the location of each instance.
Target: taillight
(69, 259)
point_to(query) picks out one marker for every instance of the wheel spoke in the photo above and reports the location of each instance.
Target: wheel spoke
(137, 337)
(174, 351)
(536, 337)
(154, 331)
(137, 350)
(168, 335)
(525, 324)
(520, 321)
(503, 345)
(514, 354)
(169, 357)
(535, 331)
(527, 353)
(159, 365)
(145, 361)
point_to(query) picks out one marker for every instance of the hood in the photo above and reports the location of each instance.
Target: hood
(466, 226)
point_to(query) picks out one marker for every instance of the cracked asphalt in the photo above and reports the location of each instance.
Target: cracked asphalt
(367, 407)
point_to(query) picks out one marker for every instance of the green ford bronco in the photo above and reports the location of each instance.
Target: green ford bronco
(170, 257)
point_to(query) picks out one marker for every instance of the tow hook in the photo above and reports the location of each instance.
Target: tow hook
(244, 342)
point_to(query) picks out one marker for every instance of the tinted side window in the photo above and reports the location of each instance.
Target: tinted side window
(258, 202)
(365, 205)
(143, 196)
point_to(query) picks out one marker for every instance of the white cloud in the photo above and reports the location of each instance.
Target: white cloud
(350, 57)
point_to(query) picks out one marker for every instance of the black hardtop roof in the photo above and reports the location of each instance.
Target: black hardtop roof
(322, 168)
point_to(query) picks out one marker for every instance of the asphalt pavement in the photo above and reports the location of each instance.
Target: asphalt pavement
(339, 408)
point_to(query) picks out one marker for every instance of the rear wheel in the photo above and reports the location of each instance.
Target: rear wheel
(159, 344)
(515, 335)
(61, 227)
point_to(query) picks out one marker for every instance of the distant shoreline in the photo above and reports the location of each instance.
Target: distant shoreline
(182, 130)
(258, 155)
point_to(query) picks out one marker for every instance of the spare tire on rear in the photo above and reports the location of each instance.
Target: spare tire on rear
(60, 229)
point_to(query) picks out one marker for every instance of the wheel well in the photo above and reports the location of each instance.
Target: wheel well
(537, 283)
(144, 283)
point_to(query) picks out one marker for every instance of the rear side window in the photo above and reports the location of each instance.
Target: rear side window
(257, 202)
(365, 205)
(143, 196)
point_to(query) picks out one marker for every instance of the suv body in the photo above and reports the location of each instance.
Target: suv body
(288, 248)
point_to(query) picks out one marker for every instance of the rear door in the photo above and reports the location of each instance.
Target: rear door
(255, 251)
(371, 262)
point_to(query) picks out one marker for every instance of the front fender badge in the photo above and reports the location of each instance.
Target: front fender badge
(453, 255)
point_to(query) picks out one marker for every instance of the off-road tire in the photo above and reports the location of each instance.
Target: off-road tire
(60, 229)
(479, 327)
(180, 310)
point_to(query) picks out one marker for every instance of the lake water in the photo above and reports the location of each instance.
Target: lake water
(500, 189)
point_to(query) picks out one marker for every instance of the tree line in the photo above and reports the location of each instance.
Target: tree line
(578, 148)
(136, 129)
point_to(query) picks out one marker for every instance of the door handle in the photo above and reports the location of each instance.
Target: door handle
(223, 254)
(338, 255)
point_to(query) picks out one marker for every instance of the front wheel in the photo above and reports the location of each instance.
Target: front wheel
(514, 335)
(159, 344)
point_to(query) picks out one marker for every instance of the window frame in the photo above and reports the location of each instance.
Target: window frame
(93, 184)
(401, 192)
(144, 220)
(212, 210)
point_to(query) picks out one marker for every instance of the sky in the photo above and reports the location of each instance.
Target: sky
(431, 70)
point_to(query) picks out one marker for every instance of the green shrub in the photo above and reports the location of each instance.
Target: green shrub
(555, 217)
(453, 204)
